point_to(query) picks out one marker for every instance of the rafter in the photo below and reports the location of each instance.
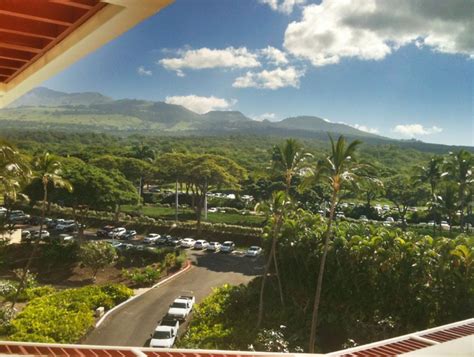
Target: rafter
(20, 26)
(77, 4)
(19, 47)
(41, 11)
(10, 63)
(10, 54)
(7, 71)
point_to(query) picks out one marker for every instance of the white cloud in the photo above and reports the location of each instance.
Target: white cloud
(142, 71)
(273, 79)
(264, 116)
(199, 104)
(372, 29)
(204, 58)
(284, 6)
(412, 130)
(366, 129)
(274, 55)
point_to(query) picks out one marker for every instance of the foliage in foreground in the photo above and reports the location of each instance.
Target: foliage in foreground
(379, 283)
(65, 316)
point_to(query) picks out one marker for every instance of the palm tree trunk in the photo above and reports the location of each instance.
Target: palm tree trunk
(21, 285)
(319, 284)
(265, 273)
(277, 272)
(176, 201)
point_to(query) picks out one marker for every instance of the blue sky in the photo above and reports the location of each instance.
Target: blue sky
(401, 74)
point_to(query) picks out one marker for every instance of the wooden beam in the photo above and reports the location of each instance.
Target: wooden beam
(7, 71)
(30, 44)
(30, 28)
(10, 64)
(41, 11)
(8, 67)
(19, 47)
(7, 53)
(71, 3)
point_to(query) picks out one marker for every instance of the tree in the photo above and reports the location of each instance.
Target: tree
(449, 201)
(172, 169)
(338, 168)
(400, 190)
(431, 175)
(459, 168)
(97, 255)
(205, 171)
(47, 169)
(289, 160)
(275, 210)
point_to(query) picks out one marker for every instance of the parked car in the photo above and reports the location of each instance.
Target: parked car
(201, 244)
(117, 232)
(104, 231)
(163, 240)
(170, 322)
(173, 242)
(253, 251)
(431, 223)
(363, 218)
(187, 243)
(3, 211)
(151, 238)
(388, 221)
(66, 238)
(214, 247)
(444, 225)
(25, 236)
(190, 297)
(44, 234)
(180, 309)
(17, 216)
(130, 234)
(212, 210)
(164, 337)
(66, 226)
(227, 247)
(340, 215)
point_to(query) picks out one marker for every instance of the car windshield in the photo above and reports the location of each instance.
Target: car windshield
(161, 335)
(180, 305)
(227, 244)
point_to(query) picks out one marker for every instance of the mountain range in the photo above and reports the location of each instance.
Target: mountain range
(46, 109)
(94, 111)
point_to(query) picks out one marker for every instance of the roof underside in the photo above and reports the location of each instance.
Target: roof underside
(39, 38)
(29, 28)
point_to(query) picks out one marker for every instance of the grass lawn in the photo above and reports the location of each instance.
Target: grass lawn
(187, 214)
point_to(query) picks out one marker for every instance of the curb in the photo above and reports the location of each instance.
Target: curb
(157, 285)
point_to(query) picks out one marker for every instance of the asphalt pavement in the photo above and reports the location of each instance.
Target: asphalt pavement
(132, 324)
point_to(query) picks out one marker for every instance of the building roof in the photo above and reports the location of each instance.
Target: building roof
(456, 338)
(39, 38)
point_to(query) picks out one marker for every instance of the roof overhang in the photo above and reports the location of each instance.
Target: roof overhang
(39, 38)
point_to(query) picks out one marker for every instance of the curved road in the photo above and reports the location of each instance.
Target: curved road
(132, 324)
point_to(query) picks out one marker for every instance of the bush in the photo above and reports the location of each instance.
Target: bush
(39, 291)
(65, 316)
(144, 276)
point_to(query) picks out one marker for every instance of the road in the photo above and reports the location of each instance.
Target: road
(132, 324)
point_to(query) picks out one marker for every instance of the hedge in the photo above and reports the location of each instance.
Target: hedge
(65, 316)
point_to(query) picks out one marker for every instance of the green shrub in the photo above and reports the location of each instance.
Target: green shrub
(143, 276)
(64, 316)
(39, 291)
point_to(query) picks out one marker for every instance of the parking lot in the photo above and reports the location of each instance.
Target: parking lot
(132, 324)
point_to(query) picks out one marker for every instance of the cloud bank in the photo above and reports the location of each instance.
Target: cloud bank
(200, 104)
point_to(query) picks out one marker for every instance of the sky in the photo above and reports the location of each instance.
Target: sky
(402, 71)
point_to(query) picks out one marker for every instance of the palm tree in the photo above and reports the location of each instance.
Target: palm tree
(431, 175)
(13, 172)
(48, 169)
(145, 153)
(275, 209)
(289, 160)
(339, 167)
(459, 169)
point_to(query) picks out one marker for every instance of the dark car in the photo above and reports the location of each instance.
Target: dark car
(104, 231)
(173, 242)
(129, 234)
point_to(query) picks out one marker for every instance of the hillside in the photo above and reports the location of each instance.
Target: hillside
(46, 109)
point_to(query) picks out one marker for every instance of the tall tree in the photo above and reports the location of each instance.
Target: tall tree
(337, 169)
(275, 209)
(289, 160)
(460, 169)
(14, 171)
(47, 168)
